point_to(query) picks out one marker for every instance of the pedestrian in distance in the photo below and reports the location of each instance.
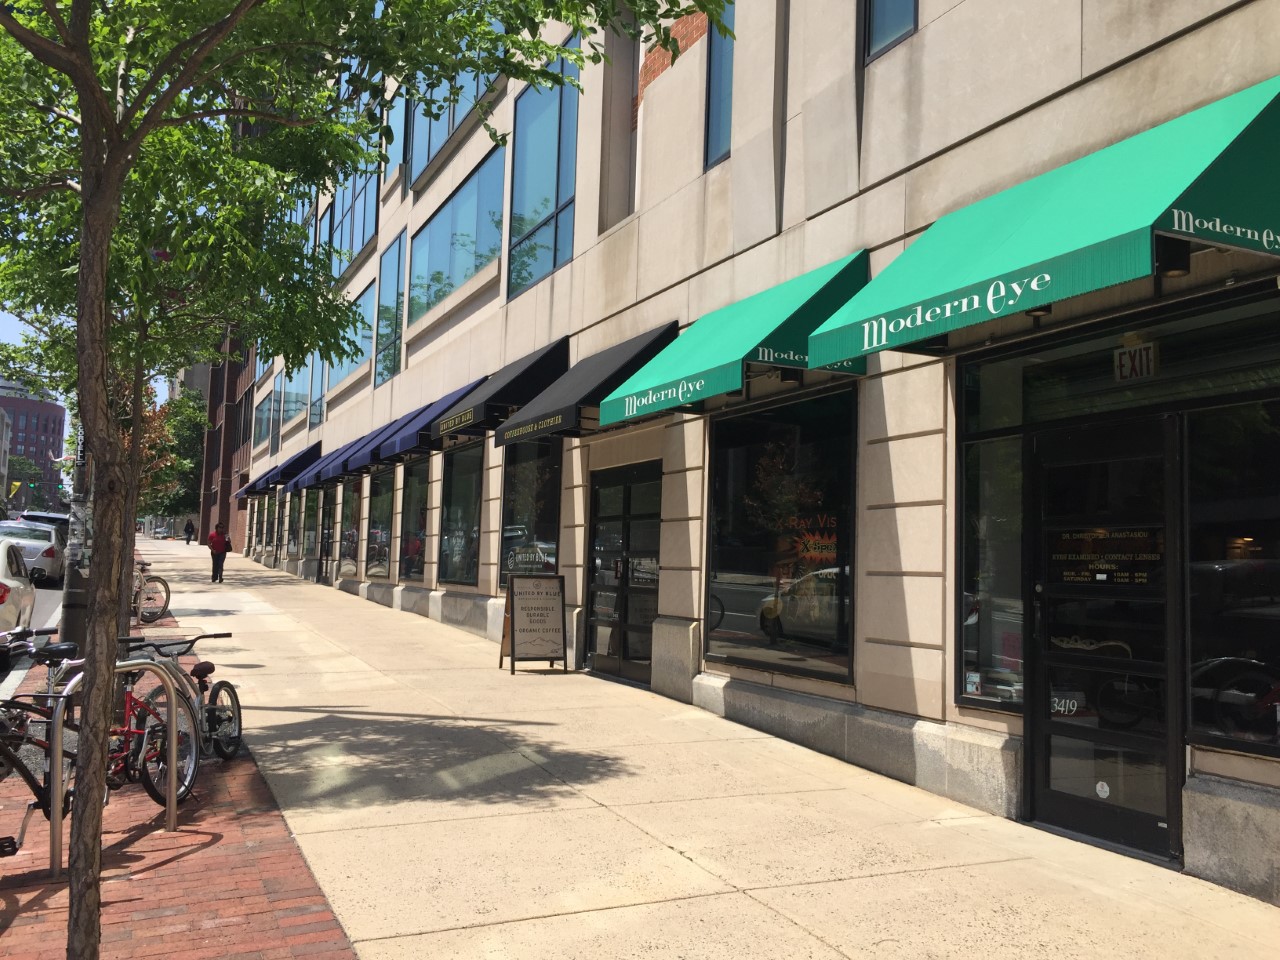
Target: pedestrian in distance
(190, 531)
(219, 547)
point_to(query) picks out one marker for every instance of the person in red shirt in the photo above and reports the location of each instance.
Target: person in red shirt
(219, 547)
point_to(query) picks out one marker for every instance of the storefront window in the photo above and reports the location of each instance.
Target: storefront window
(349, 545)
(270, 526)
(778, 595)
(460, 515)
(530, 507)
(310, 521)
(991, 607)
(294, 529)
(382, 487)
(413, 519)
(1234, 577)
(259, 508)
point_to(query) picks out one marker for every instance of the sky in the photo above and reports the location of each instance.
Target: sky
(11, 330)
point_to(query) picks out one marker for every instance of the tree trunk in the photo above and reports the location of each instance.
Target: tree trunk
(100, 200)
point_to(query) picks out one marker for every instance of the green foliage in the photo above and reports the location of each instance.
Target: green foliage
(173, 488)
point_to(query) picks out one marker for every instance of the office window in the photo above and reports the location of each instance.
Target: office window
(390, 312)
(315, 417)
(398, 123)
(719, 92)
(366, 304)
(324, 235)
(356, 219)
(277, 407)
(22, 421)
(295, 393)
(463, 236)
(426, 135)
(262, 421)
(263, 362)
(888, 21)
(542, 182)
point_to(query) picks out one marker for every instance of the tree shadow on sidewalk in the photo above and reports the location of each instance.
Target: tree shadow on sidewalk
(348, 758)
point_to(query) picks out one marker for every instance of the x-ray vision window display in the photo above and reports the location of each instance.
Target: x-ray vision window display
(778, 593)
(530, 507)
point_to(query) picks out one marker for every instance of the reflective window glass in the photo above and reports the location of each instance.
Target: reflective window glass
(367, 306)
(349, 532)
(530, 507)
(463, 236)
(991, 608)
(460, 515)
(779, 588)
(293, 530)
(390, 312)
(888, 21)
(719, 91)
(378, 539)
(413, 519)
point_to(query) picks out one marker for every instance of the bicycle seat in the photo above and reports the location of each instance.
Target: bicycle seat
(202, 669)
(56, 653)
(143, 565)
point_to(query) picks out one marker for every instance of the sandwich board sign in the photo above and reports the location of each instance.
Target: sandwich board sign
(534, 625)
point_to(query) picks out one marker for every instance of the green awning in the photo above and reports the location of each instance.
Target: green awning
(1208, 176)
(770, 328)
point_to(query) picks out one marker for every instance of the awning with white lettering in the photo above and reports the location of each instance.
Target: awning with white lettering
(502, 394)
(1207, 176)
(770, 328)
(571, 404)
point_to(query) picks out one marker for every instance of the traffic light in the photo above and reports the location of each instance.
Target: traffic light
(31, 484)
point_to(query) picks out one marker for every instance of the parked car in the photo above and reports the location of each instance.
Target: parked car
(60, 520)
(17, 595)
(42, 548)
(815, 607)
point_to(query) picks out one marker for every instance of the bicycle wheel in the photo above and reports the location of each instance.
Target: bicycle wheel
(223, 715)
(153, 763)
(153, 600)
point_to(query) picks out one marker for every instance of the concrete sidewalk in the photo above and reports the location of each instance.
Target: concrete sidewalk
(449, 809)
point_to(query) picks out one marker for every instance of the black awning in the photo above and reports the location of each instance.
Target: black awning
(559, 408)
(510, 388)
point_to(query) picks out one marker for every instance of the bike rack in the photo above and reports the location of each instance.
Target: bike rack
(55, 749)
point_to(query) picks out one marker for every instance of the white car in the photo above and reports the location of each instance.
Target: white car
(17, 595)
(41, 545)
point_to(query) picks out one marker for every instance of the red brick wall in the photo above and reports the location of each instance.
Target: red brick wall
(687, 31)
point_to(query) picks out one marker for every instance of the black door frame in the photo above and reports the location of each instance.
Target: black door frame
(647, 471)
(1037, 725)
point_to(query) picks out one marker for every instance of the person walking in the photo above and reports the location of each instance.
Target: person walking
(190, 531)
(219, 547)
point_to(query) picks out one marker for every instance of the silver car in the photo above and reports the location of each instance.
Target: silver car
(42, 548)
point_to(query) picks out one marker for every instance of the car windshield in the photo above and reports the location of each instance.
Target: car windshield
(26, 533)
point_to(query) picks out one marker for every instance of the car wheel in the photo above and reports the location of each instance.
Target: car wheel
(772, 627)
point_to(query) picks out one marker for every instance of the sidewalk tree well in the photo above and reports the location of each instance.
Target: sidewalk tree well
(88, 89)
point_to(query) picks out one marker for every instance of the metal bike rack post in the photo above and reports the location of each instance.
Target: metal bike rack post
(55, 749)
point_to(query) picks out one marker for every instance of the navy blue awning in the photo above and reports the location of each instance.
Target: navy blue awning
(290, 468)
(255, 487)
(314, 474)
(413, 433)
(361, 453)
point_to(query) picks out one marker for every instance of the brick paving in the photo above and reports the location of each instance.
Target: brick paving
(230, 884)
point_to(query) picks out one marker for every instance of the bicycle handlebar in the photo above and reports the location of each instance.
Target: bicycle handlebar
(186, 645)
(19, 640)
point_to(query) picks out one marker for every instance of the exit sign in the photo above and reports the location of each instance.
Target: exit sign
(1138, 362)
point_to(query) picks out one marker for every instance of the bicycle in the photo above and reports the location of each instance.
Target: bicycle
(209, 725)
(150, 594)
(24, 735)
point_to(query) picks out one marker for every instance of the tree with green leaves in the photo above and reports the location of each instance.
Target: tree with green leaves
(171, 485)
(91, 92)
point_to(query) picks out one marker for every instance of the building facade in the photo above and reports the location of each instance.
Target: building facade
(6, 437)
(229, 389)
(896, 377)
(38, 423)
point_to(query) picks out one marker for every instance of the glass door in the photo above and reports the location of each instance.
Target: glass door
(1105, 744)
(622, 575)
